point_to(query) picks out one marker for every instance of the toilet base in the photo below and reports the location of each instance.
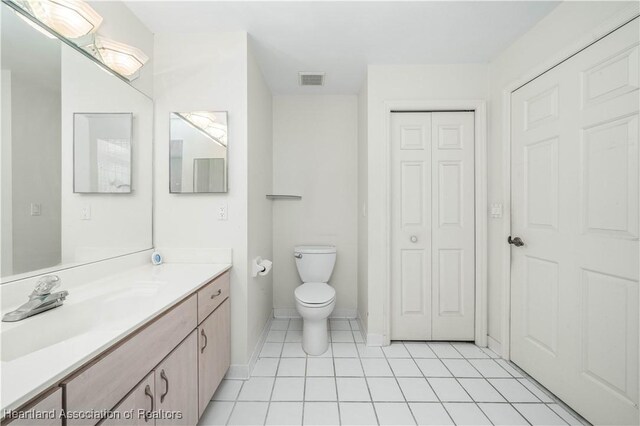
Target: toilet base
(315, 336)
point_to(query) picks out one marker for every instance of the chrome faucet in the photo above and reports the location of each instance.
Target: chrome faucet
(41, 299)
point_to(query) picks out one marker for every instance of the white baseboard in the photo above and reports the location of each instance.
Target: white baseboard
(375, 339)
(283, 313)
(494, 345)
(243, 371)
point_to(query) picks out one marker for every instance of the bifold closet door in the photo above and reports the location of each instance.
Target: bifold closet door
(574, 185)
(432, 226)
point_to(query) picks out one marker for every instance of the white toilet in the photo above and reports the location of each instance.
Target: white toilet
(315, 298)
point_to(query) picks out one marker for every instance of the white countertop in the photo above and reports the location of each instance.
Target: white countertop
(40, 351)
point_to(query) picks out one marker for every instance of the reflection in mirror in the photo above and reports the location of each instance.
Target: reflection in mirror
(198, 152)
(102, 152)
(47, 87)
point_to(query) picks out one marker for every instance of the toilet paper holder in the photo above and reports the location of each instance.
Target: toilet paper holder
(261, 266)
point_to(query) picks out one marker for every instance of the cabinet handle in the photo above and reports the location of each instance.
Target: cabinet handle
(147, 391)
(213, 296)
(163, 376)
(205, 340)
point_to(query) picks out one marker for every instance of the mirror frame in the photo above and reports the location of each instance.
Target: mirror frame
(226, 166)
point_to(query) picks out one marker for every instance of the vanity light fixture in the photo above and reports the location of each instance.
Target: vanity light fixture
(123, 59)
(69, 18)
(207, 123)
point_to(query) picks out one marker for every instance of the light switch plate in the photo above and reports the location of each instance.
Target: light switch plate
(36, 209)
(496, 210)
(85, 212)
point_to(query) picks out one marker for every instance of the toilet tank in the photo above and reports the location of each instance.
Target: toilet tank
(315, 263)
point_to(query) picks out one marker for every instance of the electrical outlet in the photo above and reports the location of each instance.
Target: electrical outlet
(85, 212)
(222, 212)
(36, 209)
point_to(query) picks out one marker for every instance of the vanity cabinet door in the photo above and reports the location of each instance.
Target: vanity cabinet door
(177, 384)
(135, 408)
(214, 352)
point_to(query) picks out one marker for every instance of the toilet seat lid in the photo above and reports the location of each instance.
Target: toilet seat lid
(315, 293)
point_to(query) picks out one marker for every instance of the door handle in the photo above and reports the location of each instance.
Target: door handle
(163, 376)
(206, 340)
(413, 239)
(213, 296)
(517, 241)
(147, 391)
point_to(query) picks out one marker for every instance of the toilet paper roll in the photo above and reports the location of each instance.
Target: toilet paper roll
(261, 266)
(266, 265)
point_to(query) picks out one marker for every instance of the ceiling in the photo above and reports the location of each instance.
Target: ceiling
(341, 38)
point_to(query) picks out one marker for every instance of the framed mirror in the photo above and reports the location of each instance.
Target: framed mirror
(198, 152)
(102, 152)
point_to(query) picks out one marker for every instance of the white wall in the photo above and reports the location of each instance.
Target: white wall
(122, 25)
(393, 83)
(205, 72)
(558, 33)
(363, 235)
(315, 155)
(6, 212)
(35, 156)
(120, 223)
(260, 229)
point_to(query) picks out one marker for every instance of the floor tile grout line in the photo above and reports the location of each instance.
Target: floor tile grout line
(335, 373)
(366, 381)
(490, 384)
(398, 383)
(429, 384)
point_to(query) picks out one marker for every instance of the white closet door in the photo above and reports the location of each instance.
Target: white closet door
(411, 226)
(453, 226)
(432, 232)
(574, 284)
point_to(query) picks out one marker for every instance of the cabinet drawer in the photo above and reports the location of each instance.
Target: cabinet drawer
(50, 403)
(105, 382)
(212, 295)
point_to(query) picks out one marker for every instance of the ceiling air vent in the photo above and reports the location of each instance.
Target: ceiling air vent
(311, 78)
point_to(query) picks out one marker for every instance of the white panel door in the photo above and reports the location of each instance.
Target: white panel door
(432, 231)
(411, 226)
(453, 226)
(574, 282)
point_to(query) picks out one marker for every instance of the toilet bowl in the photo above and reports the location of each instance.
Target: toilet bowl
(315, 298)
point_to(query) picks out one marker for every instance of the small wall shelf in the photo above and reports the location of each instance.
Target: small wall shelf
(283, 197)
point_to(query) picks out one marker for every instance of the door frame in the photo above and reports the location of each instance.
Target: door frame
(479, 107)
(618, 20)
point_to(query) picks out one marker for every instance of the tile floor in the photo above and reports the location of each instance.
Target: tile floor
(406, 383)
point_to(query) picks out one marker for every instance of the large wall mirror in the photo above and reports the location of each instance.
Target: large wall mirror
(198, 152)
(57, 212)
